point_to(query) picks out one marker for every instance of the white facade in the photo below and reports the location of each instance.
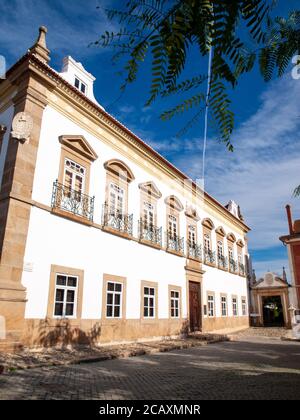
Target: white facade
(61, 241)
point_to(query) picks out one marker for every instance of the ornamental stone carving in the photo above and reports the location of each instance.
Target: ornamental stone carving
(22, 127)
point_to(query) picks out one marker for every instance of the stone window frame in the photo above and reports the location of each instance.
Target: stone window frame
(231, 239)
(210, 293)
(240, 245)
(112, 278)
(68, 271)
(224, 295)
(118, 173)
(237, 305)
(76, 148)
(174, 288)
(245, 299)
(154, 285)
(207, 228)
(220, 235)
(149, 193)
(192, 219)
(173, 208)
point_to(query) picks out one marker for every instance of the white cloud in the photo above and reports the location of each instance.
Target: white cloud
(262, 172)
(71, 25)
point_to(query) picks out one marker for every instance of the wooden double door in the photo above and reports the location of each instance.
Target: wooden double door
(195, 306)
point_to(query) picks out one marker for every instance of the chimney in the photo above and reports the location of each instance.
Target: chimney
(289, 217)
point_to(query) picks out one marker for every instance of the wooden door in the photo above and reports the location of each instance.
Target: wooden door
(195, 306)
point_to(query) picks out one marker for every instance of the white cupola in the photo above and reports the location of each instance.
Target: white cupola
(75, 74)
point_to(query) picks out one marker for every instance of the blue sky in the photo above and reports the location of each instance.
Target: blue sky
(263, 170)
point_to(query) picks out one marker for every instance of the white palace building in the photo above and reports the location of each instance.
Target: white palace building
(101, 238)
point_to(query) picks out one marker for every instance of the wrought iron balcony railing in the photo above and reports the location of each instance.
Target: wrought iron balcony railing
(242, 271)
(209, 256)
(232, 265)
(150, 233)
(222, 262)
(72, 201)
(194, 251)
(117, 220)
(174, 243)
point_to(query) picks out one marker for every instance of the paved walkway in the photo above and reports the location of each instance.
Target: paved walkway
(257, 369)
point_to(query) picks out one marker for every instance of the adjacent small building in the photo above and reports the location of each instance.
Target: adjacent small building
(270, 301)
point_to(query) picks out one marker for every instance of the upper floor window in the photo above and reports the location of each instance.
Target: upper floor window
(65, 296)
(80, 85)
(148, 229)
(74, 176)
(220, 249)
(71, 190)
(192, 236)
(207, 242)
(230, 253)
(148, 215)
(174, 207)
(115, 209)
(172, 227)
(116, 199)
(208, 226)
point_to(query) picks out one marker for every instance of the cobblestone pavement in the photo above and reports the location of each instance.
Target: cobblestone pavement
(230, 370)
(272, 332)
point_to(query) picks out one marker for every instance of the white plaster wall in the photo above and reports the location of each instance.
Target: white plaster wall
(5, 119)
(219, 281)
(55, 240)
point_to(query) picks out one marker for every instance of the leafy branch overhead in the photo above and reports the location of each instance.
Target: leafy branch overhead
(167, 31)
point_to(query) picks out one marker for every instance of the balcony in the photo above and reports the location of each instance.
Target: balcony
(242, 270)
(232, 266)
(149, 234)
(175, 244)
(209, 257)
(68, 202)
(194, 251)
(113, 220)
(222, 262)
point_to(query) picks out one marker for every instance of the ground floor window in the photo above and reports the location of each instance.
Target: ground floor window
(234, 306)
(244, 306)
(211, 305)
(65, 296)
(149, 302)
(114, 300)
(224, 305)
(175, 302)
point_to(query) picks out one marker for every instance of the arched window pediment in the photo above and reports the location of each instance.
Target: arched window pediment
(231, 237)
(220, 231)
(240, 243)
(174, 203)
(208, 223)
(119, 168)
